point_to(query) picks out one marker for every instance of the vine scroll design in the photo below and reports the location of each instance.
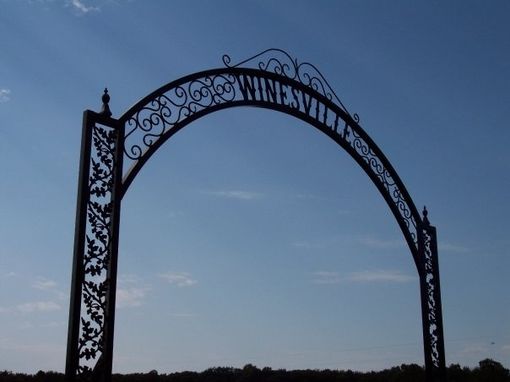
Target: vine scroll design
(97, 253)
(379, 167)
(430, 278)
(279, 62)
(167, 110)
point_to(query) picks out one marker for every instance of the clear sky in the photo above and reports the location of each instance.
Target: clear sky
(250, 237)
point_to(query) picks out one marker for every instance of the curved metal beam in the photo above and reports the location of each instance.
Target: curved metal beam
(157, 117)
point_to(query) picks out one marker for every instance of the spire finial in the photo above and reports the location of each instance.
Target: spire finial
(105, 110)
(425, 216)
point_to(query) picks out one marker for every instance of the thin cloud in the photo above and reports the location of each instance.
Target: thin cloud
(180, 279)
(182, 315)
(80, 7)
(50, 286)
(43, 283)
(320, 243)
(53, 324)
(131, 292)
(319, 198)
(129, 279)
(454, 248)
(38, 306)
(38, 325)
(39, 349)
(308, 245)
(26, 325)
(475, 349)
(130, 297)
(32, 307)
(326, 278)
(236, 194)
(372, 242)
(4, 95)
(308, 196)
(372, 276)
(379, 276)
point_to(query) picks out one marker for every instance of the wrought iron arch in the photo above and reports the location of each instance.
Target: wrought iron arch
(115, 150)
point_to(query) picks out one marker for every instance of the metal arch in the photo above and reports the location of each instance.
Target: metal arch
(271, 80)
(159, 116)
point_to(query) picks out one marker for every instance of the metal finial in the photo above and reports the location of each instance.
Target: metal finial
(105, 110)
(425, 216)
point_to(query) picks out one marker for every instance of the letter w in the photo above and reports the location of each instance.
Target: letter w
(246, 85)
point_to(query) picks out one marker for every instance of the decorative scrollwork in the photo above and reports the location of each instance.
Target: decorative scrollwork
(431, 279)
(280, 62)
(432, 308)
(384, 176)
(97, 254)
(168, 109)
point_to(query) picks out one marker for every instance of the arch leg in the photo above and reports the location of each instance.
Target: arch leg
(432, 316)
(92, 306)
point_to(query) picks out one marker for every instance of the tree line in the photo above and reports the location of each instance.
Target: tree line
(487, 370)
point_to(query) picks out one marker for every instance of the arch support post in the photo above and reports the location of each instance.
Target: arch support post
(94, 277)
(432, 315)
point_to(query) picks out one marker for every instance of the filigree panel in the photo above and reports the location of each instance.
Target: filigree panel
(150, 121)
(431, 279)
(165, 111)
(96, 256)
(385, 177)
(279, 62)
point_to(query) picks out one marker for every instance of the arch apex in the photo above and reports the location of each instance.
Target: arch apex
(280, 62)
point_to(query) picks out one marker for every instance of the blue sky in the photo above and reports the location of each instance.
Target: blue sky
(250, 237)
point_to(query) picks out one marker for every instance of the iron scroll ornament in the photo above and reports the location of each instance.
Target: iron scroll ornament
(115, 150)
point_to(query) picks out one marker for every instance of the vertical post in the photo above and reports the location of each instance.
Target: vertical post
(114, 250)
(72, 357)
(432, 315)
(93, 289)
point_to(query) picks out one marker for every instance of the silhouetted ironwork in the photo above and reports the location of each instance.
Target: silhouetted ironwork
(432, 315)
(92, 307)
(115, 150)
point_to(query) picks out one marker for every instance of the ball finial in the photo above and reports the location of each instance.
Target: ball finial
(425, 216)
(105, 110)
